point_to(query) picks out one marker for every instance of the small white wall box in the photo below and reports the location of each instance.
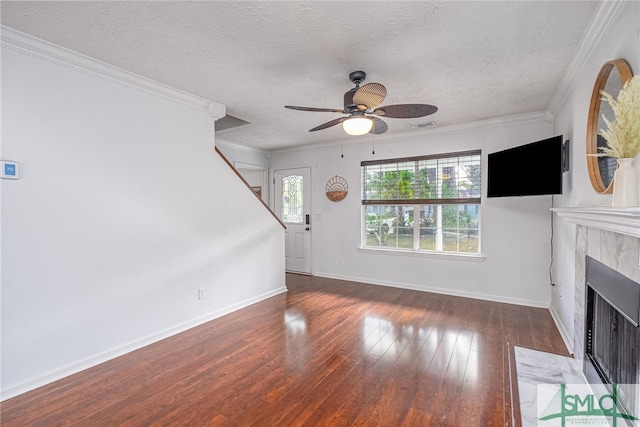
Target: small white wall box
(9, 169)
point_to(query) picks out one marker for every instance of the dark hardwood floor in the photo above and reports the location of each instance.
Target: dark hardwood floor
(326, 353)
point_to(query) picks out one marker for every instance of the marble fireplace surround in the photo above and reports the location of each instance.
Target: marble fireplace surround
(611, 236)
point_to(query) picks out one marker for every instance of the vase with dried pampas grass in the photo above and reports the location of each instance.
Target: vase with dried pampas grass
(623, 142)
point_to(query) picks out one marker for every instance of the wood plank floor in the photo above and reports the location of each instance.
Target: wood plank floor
(326, 353)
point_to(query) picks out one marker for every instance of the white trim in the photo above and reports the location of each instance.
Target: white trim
(43, 50)
(568, 341)
(250, 166)
(438, 290)
(603, 17)
(425, 254)
(221, 143)
(618, 220)
(77, 366)
(265, 177)
(425, 134)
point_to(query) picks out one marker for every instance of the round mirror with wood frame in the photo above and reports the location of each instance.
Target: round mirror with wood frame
(612, 76)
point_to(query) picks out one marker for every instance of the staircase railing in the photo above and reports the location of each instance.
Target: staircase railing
(233, 168)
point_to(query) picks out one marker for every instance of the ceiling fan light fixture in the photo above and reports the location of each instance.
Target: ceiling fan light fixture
(357, 125)
(362, 101)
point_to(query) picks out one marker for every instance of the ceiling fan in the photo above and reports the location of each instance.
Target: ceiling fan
(361, 102)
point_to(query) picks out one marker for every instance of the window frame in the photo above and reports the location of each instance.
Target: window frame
(419, 203)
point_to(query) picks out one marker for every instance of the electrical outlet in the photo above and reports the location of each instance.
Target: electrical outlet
(201, 293)
(341, 260)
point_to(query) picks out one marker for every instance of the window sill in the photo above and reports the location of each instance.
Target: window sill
(425, 254)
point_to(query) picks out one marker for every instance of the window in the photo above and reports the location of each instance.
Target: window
(427, 203)
(292, 199)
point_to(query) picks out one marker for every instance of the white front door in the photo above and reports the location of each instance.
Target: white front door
(293, 205)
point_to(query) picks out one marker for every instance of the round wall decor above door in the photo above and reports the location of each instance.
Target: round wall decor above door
(336, 188)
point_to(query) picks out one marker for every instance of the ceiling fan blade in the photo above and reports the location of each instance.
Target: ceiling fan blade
(325, 110)
(369, 96)
(405, 111)
(329, 124)
(379, 126)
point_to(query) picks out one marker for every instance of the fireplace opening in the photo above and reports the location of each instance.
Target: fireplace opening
(612, 332)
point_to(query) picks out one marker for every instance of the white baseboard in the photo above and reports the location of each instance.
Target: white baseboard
(568, 340)
(444, 291)
(80, 365)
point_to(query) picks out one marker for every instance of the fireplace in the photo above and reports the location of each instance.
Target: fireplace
(611, 237)
(612, 335)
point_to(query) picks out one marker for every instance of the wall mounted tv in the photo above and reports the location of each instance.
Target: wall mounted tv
(533, 169)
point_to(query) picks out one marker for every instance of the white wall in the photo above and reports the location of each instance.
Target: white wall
(244, 155)
(123, 211)
(617, 37)
(251, 163)
(515, 231)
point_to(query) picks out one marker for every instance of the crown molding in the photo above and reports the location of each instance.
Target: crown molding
(365, 140)
(45, 51)
(601, 21)
(233, 146)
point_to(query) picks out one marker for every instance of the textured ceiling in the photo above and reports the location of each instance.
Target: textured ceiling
(473, 60)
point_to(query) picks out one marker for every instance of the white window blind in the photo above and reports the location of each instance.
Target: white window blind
(452, 178)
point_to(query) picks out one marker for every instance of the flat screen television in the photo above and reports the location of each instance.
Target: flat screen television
(533, 169)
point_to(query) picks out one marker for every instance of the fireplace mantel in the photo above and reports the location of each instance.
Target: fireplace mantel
(619, 220)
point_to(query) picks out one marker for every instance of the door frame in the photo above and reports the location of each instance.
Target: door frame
(256, 168)
(308, 189)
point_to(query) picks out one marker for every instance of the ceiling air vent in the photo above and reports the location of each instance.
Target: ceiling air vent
(428, 124)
